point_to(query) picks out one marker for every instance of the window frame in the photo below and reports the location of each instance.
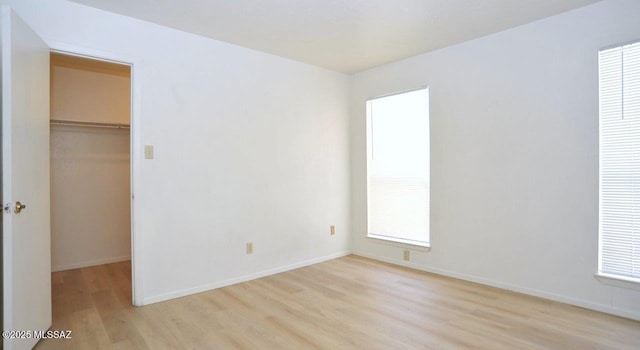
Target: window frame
(388, 240)
(613, 279)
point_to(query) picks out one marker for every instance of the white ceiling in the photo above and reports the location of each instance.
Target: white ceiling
(342, 35)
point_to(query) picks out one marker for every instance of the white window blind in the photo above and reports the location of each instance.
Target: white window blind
(619, 69)
(398, 167)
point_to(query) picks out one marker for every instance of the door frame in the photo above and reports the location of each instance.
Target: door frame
(134, 149)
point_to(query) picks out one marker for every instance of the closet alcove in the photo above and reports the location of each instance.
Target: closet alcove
(90, 162)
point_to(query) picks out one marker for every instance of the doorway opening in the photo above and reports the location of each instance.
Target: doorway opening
(90, 143)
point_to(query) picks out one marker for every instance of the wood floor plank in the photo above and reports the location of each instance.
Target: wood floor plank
(346, 303)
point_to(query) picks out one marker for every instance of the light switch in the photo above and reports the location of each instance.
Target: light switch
(148, 151)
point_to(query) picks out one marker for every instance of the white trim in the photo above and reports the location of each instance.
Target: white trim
(82, 264)
(235, 280)
(618, 281)
(507, 286)
(424, 87)
(399, 242)
(625, 43)
(137, 282)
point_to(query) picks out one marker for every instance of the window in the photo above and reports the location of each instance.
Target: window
(619, 253)
(398, 167)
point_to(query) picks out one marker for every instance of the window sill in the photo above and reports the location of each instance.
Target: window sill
(399, 242)
(618, 281)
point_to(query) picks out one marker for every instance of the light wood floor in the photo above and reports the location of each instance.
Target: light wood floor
(347, 303)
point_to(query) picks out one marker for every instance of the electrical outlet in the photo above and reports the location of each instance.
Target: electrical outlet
(249, 248)
(332, 229)
(406, 255)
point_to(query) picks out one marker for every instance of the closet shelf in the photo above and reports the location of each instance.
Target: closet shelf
(88, 124)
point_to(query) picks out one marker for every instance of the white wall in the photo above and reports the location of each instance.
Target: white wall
(90, 187)
(514, 167)
(248, 147)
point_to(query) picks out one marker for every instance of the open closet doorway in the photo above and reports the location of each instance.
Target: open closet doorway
(90, 177)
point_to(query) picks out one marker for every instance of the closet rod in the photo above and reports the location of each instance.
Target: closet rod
(89, 124)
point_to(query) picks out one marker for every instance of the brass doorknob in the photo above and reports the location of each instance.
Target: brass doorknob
(19, 207)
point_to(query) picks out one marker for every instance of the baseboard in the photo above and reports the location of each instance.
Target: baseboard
(533, 292)
(89, 263)
(225, 283)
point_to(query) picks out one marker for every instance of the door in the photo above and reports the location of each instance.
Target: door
(25, 176)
